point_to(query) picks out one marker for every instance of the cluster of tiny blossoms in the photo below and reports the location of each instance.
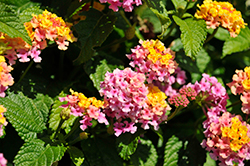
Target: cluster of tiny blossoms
(87, 108)
(48, 26)
(5, 77)
(153, 59)
(3, 161)
(3, 121)
(221, 13)
(126, 4)
(241, 85)
(130, 101)
(228, 139)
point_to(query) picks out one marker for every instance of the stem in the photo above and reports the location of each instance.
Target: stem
(75, 140)
(169, 32)
(174, 113)
(212, 35)
(75, 126)
(58, 128)
(25, 72)
(233, 104)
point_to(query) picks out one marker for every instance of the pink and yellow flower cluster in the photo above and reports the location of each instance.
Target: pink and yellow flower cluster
(126, 4)
(87, 108)
(228, 139)
(154, 60)
(49, 26)
(6, 79)
(3, 121)
(221, 14)
(130, 101)
(241, 85)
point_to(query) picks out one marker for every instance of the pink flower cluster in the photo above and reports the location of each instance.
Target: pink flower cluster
(5, 77)
(130, 101)
(227, 138)
(3, 161)
(3, 121)
(126, 4)
(182, 98)
(241, 85)
(153, 59)
(87, 108)
(210, 92)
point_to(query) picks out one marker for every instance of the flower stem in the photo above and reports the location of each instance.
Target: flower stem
(233, 104)
(58, 128)
(25, 72)
(75, 141)
(212, 35)
(75, 126)
(175, 112)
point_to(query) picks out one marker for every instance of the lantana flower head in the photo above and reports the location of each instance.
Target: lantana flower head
(6, 79)
(87, 108)
(153, 59)
(130, 101)
(241, 85)
(126, 4)
(227, 139)
(221, 14)
(3, 121)
(3, 161)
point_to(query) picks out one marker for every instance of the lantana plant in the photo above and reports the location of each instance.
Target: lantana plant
(124, 83)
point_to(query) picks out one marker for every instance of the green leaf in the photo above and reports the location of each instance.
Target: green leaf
(76, 155)
(43, 103)
(160, 11)
(34, 153)
(171, 151)
(54, 118)
(193, 34)
(182, 4)
(145, 154)
(26, 15)
(10, 23)
(20, 5)
(237, 44)
(101, 152)
(221, 34)
(202, 60)
(24, 115)
(75, 6)
(99, 74)
(92, 32)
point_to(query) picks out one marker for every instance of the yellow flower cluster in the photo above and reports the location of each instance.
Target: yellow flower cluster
(2, 118)
(237, 134)
(157, 51)
(85, 102)
(246, 82)
(221, 13)
(156, 98)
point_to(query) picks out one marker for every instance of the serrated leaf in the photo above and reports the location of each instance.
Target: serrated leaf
(99, 74)
(182, 4)
(75, 6)
(145, 154)
(76, 155)
(171, 151)
(26, 15)
(10, 23)
(237, 44)
(54, 118)
(43, 103)
(92, 32)
(103, 148)
(160, 11)
(24, 115)
(193, 34)
(20, 5)
(34, 153)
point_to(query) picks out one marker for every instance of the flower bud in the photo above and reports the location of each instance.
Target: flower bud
(84, 135)
(65, 113)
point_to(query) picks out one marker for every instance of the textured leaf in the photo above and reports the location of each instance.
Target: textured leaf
(101, 152)
(237, 44)
(160, 11)
(182, 4)
(193, 34)
(92, 32)
(34, 153)
(26, 15)
(24, 115)
(20, 5)
(54, 118)
(99, 75)
(145, 154)
(76, 155)
(171, 151)
(43, 103)
(10, 23)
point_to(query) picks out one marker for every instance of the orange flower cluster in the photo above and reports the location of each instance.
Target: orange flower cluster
(221, 13)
